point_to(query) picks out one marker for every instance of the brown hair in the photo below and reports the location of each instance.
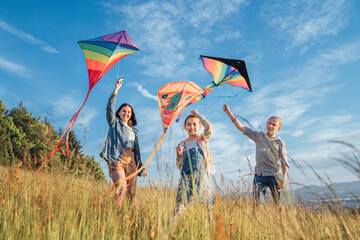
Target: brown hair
(132, 121)
(191, 116)
(276, 118)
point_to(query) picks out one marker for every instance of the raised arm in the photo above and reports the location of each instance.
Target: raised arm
(236, 121)
(110, 109)
(207, 126)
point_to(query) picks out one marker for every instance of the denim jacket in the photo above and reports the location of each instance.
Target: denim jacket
(115, 143)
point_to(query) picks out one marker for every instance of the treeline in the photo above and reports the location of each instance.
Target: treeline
(22, 136)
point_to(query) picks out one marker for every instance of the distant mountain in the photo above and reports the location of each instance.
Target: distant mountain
(343, 190)
(348, 193)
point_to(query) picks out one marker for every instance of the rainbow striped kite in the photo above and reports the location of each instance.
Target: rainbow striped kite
(230, 71)
(103, 52)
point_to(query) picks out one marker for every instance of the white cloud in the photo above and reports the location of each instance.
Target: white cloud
(228, 34)
(14, 68)
(205, 14)
(67, 106)
(27, 37)
(322, 154)
(143, 91)
(85, 117)
(291, 98)
(254, 57)
(341, 55)
(171, 31)
(340, 128)
(305, 21)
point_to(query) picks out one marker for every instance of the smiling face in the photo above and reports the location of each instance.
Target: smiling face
(125, 114)
(192, 126)
(272, 126)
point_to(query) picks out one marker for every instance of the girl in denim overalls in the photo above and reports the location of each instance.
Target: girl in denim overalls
(196, 166)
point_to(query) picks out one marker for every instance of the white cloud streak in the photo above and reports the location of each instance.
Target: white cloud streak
(306, 21)
(68, 105)
(14, 68)
(143, 91)
(85, 118)
(27, 37)
(172, 31)
(346, 53)
(301, 93)
(65, 106)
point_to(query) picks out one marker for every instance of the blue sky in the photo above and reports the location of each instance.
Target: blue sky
(302, 58)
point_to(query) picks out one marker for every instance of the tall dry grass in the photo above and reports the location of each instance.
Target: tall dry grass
(55, 206)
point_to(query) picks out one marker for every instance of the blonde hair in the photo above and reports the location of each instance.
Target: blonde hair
(191, 116)
(276, 118)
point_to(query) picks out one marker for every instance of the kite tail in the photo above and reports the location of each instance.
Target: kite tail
(72, 122)
(67, 129)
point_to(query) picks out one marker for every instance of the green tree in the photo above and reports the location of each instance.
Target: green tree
(35, 141)
(11, 138)
(22, 136)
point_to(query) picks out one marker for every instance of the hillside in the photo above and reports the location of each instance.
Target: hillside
(343, 190)
(24, 136)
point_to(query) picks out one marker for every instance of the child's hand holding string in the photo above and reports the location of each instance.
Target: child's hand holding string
(179, 151)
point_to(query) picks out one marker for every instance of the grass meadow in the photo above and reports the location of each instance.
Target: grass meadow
(55, 206)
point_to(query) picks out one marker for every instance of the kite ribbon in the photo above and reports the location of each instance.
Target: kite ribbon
(52, 152)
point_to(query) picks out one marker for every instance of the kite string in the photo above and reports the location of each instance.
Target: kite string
(147, 161)
(118, 72)
(190, 61)
(120, 181)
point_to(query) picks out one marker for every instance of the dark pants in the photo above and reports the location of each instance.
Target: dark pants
(261, 184)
